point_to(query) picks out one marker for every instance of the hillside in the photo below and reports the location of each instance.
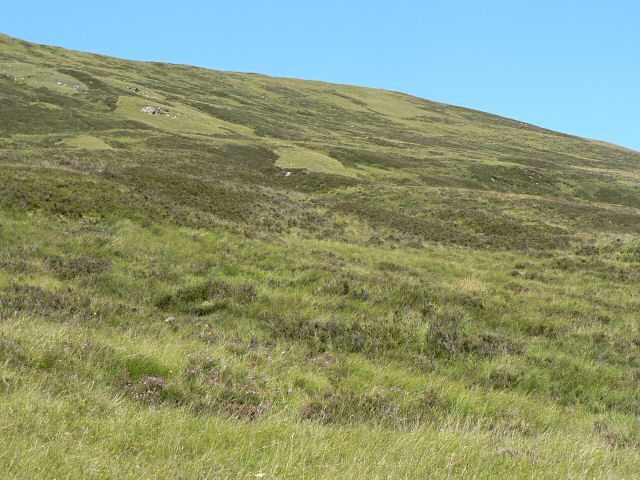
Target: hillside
(224, 275)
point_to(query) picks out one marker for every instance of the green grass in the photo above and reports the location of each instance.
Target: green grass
(298, 158)
(432, 292)
(86, 141)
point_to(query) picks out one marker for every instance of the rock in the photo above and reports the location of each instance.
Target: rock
(154, 110)
(139, 91)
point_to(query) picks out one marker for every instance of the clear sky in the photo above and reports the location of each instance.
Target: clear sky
(568, 65)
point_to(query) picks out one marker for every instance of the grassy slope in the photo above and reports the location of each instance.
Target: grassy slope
(430, 290)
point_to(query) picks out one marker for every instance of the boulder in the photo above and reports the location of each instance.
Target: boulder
(154, 110)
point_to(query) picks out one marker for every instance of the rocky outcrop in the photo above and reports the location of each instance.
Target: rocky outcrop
(154, 110)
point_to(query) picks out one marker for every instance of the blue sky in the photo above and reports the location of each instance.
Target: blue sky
(572, 66)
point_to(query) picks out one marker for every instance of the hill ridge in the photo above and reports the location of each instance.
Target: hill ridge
(321, 82)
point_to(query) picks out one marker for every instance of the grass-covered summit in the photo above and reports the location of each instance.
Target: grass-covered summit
(223, 275)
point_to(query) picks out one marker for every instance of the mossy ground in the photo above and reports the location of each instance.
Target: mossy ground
(447, 294)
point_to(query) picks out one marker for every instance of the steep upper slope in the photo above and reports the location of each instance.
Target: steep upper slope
(407, 169)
